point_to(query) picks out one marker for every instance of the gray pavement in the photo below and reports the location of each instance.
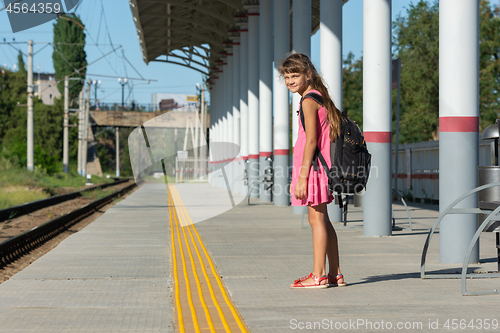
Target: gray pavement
(114, 275)
(260, 249)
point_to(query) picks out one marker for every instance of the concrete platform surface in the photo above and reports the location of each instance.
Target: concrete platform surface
(114, 275)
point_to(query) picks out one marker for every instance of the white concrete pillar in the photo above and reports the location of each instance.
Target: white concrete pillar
(281, 104)
(330, 29)
(301, 43)
(210, 126)
(244, 96)
(377, 115)
(224, 118)
(458, 124)
(265, 92)
(229, 114)
(253, 98)
(237, 164)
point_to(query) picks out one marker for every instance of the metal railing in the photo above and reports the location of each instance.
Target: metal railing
(418, 168)
(452, 209)
(191, 170)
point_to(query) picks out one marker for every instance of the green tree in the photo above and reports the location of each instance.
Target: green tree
(13, 93)
(416, 42)
(66, 57)
(489, 63)
(20, 63)
(352, 77)
(47, 121)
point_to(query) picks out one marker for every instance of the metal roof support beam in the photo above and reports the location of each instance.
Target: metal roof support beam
(162, 42)
(211, 28)
(155, 29)
(182, 64)
(201, 9)
(190, 60)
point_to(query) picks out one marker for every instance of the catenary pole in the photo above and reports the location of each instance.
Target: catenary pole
(117, 135)
(86, 129)
(80, 130)
(66, 123)
(30, 136)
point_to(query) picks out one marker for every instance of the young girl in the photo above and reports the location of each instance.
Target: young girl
(310, 187)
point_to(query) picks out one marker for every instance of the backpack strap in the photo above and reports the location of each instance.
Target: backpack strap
(317, 154)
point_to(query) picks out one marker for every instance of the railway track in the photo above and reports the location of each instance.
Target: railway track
(21, 244)
(17, 211)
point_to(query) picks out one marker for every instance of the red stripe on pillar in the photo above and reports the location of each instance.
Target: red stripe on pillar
(377, 137)
(281, 152)
(253, 157)
(459, 124)
(245, 158)
(265, 154)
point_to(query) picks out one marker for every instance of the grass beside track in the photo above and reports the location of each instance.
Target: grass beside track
(19, 185)
(17, 195)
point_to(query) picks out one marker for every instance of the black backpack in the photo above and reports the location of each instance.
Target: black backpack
(349, 155)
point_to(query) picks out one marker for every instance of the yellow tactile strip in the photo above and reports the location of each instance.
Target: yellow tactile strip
(201, 304)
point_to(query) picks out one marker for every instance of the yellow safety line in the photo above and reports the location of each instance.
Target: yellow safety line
(195, 273)
(188, 285)
(207, 279)
(219, 282)
(176, 278)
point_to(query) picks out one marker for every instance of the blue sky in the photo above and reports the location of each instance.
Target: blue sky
(170, 78)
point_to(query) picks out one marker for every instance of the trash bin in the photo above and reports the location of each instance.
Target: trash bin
(489, 198)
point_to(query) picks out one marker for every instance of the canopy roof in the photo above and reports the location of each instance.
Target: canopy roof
(193, 33)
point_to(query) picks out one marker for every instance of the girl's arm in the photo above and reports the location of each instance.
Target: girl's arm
(310, 109)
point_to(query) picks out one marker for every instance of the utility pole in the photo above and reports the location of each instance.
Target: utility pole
(86, 129)
(202, 132)
(80, 131)
(30, 150)
(66, 123)
(195, 143)
(117, 134)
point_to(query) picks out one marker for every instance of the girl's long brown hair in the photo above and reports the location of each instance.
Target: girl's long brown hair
(300, 63)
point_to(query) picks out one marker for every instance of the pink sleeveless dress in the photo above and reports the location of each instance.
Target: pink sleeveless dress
(317, 182)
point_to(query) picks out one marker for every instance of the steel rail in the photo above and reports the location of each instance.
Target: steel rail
(16, 211)
(15, 247)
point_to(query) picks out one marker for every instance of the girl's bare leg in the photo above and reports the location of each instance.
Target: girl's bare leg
(324, 243)
(332, 249)
(320, 237)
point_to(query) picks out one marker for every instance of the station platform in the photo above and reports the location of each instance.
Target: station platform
(120, 273)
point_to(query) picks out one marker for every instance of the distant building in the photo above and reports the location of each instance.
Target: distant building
(46, 88)
(174, 102)
(168, 104)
